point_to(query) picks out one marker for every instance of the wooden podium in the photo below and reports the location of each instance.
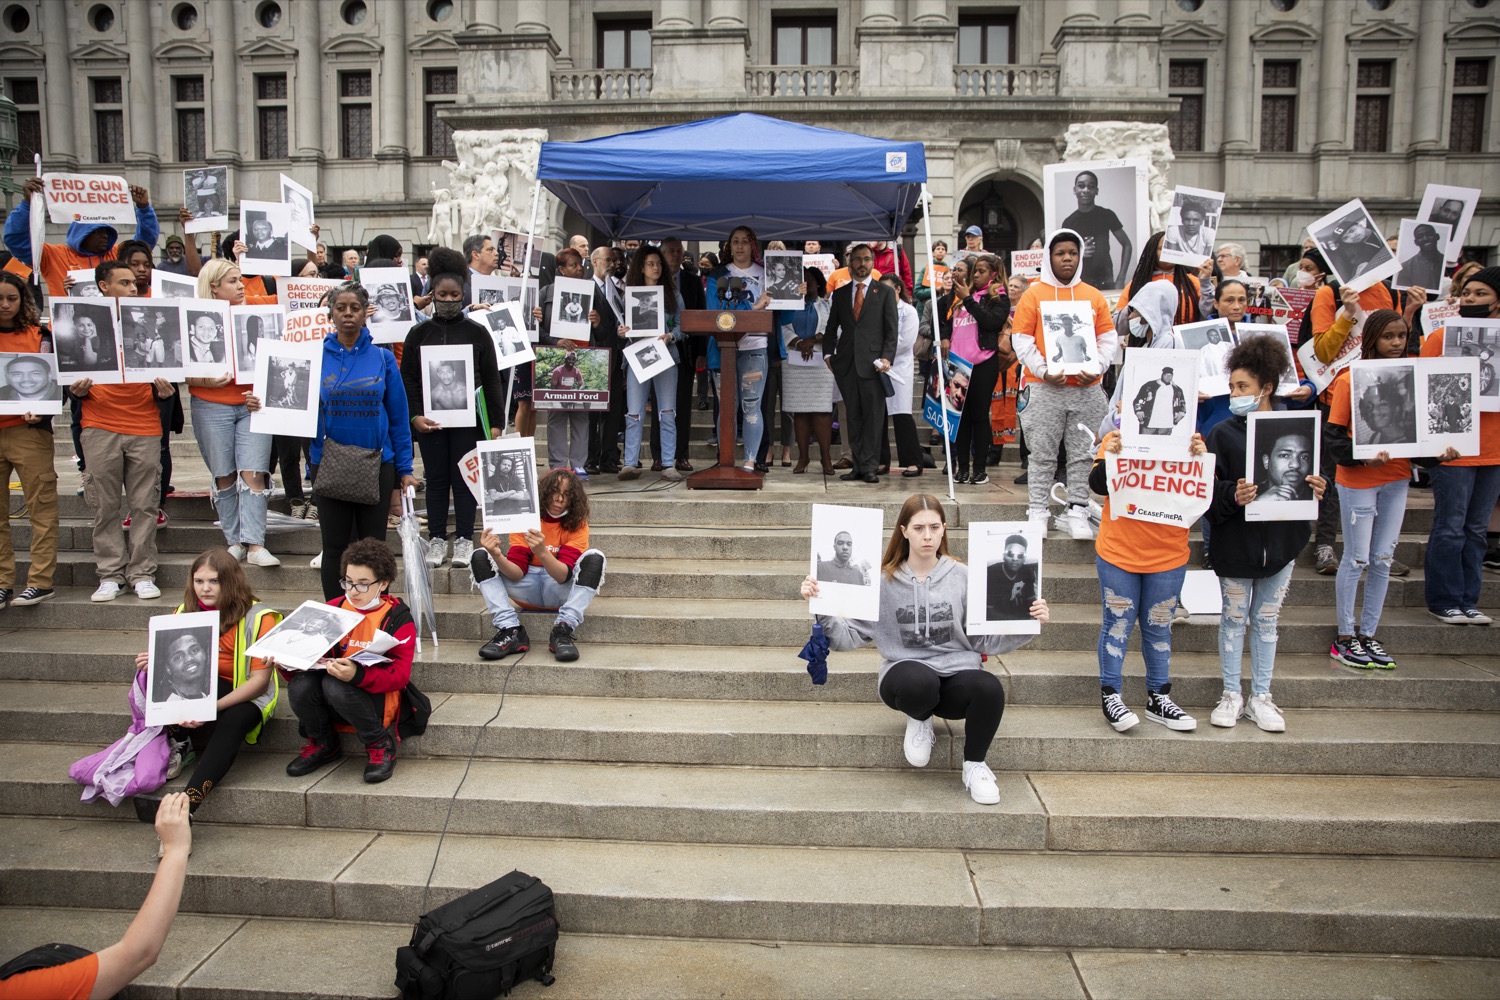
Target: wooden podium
(727, 326)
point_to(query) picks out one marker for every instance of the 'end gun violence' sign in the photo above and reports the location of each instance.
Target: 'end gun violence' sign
(87, 198)
(1173, 492)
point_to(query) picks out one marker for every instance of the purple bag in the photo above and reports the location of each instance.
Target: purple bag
(134, 764)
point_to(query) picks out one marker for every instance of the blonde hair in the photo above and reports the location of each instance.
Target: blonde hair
(213, 272)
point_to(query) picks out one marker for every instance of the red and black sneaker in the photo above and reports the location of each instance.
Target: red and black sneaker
(382, 760)
(313, 756)
(505, 642)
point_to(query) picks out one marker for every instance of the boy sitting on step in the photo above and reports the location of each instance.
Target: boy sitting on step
(548, 570)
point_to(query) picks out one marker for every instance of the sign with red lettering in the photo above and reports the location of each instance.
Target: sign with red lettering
(1174, 492)
(87, 198)
(307, 326)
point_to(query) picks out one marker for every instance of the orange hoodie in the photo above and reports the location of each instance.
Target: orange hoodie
(1028, 336)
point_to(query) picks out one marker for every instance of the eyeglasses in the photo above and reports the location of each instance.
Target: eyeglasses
(358, 588)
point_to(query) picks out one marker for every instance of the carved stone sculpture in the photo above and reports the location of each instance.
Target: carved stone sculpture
(490, 185)
(1123, 141)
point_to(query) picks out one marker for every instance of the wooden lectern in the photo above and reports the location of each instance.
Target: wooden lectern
(727, 326)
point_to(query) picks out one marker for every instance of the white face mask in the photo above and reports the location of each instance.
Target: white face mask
(1304, 279)
(374, 598)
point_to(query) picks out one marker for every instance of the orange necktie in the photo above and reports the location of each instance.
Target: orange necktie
(859, 298)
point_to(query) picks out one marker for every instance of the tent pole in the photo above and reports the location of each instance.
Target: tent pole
(937, 341)
(536, 199)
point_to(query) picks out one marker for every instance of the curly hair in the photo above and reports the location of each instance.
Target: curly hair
(1145, 270)
(635, 275)
(27, 316)
(1262, 357)
(374, 555)
(725, 257)
(446, 263)
(563, 483)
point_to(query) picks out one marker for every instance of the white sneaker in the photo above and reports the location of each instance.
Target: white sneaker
(919, 742)
(1077, 520)
(146, 590)
(108, 591)
(1262, 711)
(437, 551)
(1039, 519)
(1227, 712)
(316, 562)
(980, 781)
(262, 557)
(463, 550)
(238, 551)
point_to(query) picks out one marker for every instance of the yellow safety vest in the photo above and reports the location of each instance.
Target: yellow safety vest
(246, 627)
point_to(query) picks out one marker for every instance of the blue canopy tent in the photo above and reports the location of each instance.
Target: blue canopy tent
(700, 180)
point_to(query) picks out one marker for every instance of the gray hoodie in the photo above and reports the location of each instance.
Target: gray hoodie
(1157, 304)
(922, 622)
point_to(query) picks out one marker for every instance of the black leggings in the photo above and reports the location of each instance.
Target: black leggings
(341, 522)
(441, 449)
(976, 696)
(218, 744)
(974, 421)
(908, 452)
(289, 452)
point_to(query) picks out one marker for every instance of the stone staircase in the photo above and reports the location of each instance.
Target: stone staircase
(713, 824)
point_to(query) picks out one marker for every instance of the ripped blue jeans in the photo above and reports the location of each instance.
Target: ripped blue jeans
(751, 366)
(1371, 524)
(1124, 593)
(1258, 601)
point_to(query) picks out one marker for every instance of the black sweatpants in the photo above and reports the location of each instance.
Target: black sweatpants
(217, 744)
(908, 452)
(974, 434)
(289, 452)
(341, 522)
(976, 696)
(605, 428)
(320, 701)
(441, 449)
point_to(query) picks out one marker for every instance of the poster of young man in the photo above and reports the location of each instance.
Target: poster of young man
(572, 300)
(305, 636)
(208, 350)
(1213, 341)
(264, 226)
(845, 560)
(1159, 402)
(1192, 224)
(299, 202)
(1072, 348)
(507, 485)
(1420, 250)
(390, 295)
(512, 342)
(1106, 203)
(1353, 246)
(28, 384)
(955, 389)
(1282, 449)
(490, 289)
(182, 668)
(205, 193)
(645, 315)
(1005, 577)
(1476, 338)
(448, 385)
(1453, 207)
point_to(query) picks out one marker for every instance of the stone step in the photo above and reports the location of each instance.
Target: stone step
(905, 808)
(870, 896)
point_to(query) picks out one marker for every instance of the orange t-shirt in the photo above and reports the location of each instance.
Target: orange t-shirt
(57, 259)
(1028, 315)
(1489, 423)
(226, 649)
(1182, 303)
(124, 409)
(24, 341)
(840, 277)
(1359, 477)
(1139, 546)
(73, 981)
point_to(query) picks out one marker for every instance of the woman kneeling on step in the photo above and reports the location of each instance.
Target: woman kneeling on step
(928, 665)
(341, 693)
(247, 687)
(548, 570)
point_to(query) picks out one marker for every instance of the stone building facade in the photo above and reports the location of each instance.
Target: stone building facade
(1291, 106)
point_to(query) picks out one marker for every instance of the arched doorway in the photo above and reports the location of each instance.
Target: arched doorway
(1007, 211)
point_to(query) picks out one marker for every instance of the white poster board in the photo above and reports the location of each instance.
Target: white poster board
(182, 668)
(304, 293)
(286, 383)
(208, 339)
(448, 384)
(1212, 340)
(645, 311)
(299, 202)
(1005, 577)
(1244, 331)
(845, 560)
(1027, 263)
(1107, 204)
(28, 384)
(648, 359)
(1161, 491)
(1353, 246)
(1282, 448)
(254, 325)
(572, 300)
(508, 486)
(491, 289)
(1068, 334)
(307, 326)
(1420, 250)
(1192, 224)
(151, 339)
(390, 294)
(1159, 402)
(87, 338)
(1414, 407)
(84, 286)
(305, 636)
(784, 278)
(165, 285)
(1454, 207)
(205, 194)
(264, 229)
(511, 338)
(87, 198)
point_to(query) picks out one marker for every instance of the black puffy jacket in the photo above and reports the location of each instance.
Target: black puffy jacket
(1240, 549)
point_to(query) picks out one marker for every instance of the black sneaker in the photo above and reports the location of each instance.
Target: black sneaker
(1475, 616)
(505, 642)
(960, 477)
(382, 760)
(33, 595)
(1160, 708)
(1492, 559)
(313, 756)
(1115, 713)
(561, 643)
(1450, 616)
(1379, 658)
(1022, 479)
(1351, 653)
(979, 479)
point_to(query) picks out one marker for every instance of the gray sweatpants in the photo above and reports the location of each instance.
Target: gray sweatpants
(563, 453)
(1053, 411)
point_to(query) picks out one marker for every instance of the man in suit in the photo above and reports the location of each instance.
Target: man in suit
(858, 345)
(605, 318)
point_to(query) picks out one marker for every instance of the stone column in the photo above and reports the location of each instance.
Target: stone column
(143, 94)
(878, 13)
(1134, 11)
(224, 118)
(675, 15)
(1427, 107)
(307, 84)
(61, 145)
(689, 62)
(929, 12)
(1080, 11)
(486, 16)
(727, 14)
(393, 111)
(1333, 77)
(1237, 87)
(531, 17)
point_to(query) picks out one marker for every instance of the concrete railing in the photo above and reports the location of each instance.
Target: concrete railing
(601, 85)
(1006, 81)
(801, 81)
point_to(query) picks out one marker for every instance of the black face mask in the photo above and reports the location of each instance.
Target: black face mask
(1475, 312)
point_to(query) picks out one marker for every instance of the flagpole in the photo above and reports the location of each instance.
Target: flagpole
(937, 341)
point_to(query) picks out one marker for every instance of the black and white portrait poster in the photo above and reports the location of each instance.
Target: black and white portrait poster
(87, 340)
(165, 285)
(28, 384)
(151, 340)
(1448, 405)
(572, 299)
(182, 668)
(490, 289)
(784, 278)
(507, 485)
(1159, 402)
(208, 351)
(448, 384)
(1244, 331)
(512, 341)
(1192, 223)
(205, 193)
(1415, 407)
(1068, 335)
(286, 385)
(253, 324)
(1213, 341)
(1453, 207)
(648, 359)
(1477, 338)
(264, 229)
(299, 203)
(84, 286)
(645, 313)
(1354, 246)
(1106, 203)
(1005, 577)
(390, 294)
(845, 560)
(1281, 451)
(306, 635)
(1421, 249)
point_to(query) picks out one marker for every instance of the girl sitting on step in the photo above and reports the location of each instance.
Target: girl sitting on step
(929, 665)
(247, 687)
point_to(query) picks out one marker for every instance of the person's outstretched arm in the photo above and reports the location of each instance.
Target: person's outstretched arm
(138, 950)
